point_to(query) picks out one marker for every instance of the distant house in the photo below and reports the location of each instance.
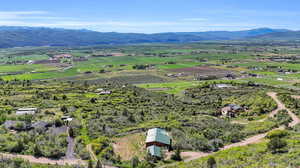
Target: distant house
(99, 90)
(30, 62)
(156, 140)
(223, 86)
(231, 110)
(62, 56)
(66, 118)
(105, 92)
(23, 111)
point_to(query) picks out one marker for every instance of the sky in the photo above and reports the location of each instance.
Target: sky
(152, 16)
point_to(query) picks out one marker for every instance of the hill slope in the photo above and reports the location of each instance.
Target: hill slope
(290, 35)
(29, 36)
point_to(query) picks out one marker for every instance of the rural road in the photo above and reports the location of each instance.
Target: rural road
(252, 140)
(42, 160)
(280, 105)
(70, 154)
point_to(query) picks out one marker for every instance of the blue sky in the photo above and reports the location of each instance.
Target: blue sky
(152, 16)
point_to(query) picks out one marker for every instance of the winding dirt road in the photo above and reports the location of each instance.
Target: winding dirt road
(252, 140)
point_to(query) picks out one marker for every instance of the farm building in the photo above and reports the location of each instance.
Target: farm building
(62, 56)
(231, 110)
(156, 140)
(23, 111)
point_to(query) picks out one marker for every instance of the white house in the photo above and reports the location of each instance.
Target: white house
(23, 111)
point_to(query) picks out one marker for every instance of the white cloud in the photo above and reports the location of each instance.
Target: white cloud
(20, 14)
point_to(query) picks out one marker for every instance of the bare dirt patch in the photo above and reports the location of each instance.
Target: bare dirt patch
(129, 146)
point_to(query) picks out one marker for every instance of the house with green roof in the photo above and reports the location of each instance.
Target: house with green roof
(156, 140)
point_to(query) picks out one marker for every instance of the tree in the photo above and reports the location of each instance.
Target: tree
(98, 165)
(64, 109)
(64, 97)
(71, 132)
(93, 100)
(176, 156)
(276, 145)
(90, 164)
(211, 162)
(58, 122)
(135, 162)
(37, 152)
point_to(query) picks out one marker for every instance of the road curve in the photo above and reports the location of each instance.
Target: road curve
(251, 140)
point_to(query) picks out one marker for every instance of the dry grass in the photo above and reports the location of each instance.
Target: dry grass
(129, 146)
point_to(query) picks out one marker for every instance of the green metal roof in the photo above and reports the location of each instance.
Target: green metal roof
(154, 150)
(158, 135)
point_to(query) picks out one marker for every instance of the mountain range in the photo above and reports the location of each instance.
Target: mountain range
(41, 36)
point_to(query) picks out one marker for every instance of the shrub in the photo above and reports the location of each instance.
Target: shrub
(211, 162)
(276, 145)
(176, 156)
(277, 133)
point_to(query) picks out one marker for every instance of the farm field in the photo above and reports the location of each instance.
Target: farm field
(96, 104)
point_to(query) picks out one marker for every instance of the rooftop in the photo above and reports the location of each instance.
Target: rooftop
(158, 135)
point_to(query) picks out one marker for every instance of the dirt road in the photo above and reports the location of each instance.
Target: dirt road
(252, 140)
(43, 160)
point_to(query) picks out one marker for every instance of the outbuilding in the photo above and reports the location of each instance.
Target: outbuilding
(156, 140)
(29, 111)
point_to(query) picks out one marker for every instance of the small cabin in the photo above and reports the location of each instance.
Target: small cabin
(28, 111)
(156, 140)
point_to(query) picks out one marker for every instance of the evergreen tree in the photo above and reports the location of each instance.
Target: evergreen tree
(176, 156)
(90, 164)
(135, 162)
(98, 165)
(211, 162)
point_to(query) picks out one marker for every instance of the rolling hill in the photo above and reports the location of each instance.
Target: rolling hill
(290, 35)
(39, 36)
